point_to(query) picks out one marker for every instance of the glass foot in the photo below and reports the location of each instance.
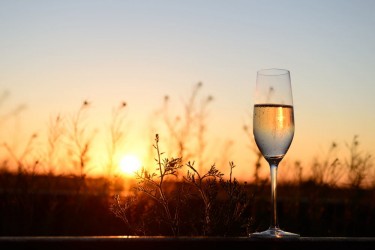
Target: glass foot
(273, 233)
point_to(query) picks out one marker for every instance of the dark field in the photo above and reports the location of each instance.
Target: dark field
(50, 205)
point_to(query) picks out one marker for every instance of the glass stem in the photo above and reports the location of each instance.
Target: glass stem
(274, 220)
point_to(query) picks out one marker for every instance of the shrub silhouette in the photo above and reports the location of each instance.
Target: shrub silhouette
(181, 195)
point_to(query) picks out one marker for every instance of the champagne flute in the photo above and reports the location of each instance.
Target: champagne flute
(273, 129)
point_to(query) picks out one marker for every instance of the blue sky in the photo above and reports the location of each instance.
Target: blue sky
(54, 54)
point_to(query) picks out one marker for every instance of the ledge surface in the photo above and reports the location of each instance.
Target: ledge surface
(181, 243)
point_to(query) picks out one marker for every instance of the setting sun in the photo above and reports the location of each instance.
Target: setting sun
(129, 164)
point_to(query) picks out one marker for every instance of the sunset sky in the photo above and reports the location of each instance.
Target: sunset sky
(56, 54)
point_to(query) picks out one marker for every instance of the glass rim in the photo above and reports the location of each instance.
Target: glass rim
(273, 72)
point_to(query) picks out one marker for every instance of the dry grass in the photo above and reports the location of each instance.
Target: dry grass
(184, 194)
